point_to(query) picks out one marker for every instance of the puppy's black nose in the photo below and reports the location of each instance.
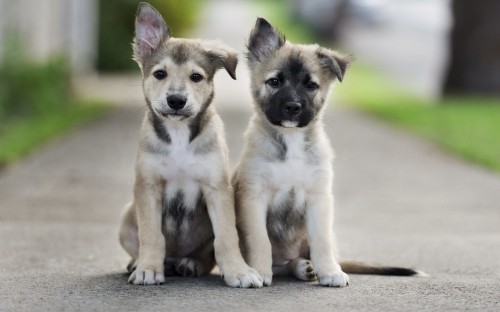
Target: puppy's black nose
(176, 101)
(292, 109)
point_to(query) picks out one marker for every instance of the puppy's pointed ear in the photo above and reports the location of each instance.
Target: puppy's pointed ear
(264, 40)
(223, 56)
(150, 31)
(334, 62)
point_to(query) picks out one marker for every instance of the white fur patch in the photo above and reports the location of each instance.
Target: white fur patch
(182, 168)
(289, 123)
(294, 173)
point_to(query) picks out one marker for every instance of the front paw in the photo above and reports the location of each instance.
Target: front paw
(267, 277)
(337, 279)
(245, 277)
(146, 277)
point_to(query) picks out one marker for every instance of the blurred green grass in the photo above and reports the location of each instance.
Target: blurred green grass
(466, 126)
(279, 14)
(22, 135)
(36, 102)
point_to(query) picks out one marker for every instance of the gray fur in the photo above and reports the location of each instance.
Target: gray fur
(181, 224)
(285, 223)
(197, 124)
(279, 144)
(159, 128)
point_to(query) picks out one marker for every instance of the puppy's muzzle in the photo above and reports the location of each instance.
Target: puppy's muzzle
(292, 109)
(176, 102)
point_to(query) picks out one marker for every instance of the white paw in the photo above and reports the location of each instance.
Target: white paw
(146, 277)
(267, 276)
(337, 279)
(267, 279)
(244, 278)
(304, 270)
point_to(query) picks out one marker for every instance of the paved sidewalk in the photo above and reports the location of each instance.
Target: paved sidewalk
(400, 201)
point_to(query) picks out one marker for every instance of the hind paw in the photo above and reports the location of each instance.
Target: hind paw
(187, 267)
(304, 270)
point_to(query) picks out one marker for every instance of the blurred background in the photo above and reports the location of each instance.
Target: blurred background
(71, 105)
(431, 66)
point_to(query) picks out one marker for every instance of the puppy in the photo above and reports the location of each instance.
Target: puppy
(181, 219)
(283, 182)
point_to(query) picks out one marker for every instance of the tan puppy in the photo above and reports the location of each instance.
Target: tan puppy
(283, 183)
(182, 216)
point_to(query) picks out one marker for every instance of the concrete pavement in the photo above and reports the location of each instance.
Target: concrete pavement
(399, 201)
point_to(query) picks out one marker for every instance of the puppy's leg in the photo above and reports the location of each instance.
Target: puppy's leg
(220, 205)
(258, 250)
(300, 268)
(151, 258)
(280, 270)
(319, 216)
(129, 238)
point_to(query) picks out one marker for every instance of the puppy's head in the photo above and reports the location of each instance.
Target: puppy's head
(290, 82)
(177, 73)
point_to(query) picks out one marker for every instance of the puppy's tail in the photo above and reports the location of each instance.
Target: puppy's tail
(361, 268)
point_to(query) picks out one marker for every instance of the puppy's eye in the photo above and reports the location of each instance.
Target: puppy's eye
(160, 74)
(196, 77)
(312, 86)
(273, 82)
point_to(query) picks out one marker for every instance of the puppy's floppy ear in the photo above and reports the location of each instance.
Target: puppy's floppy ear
(264, 40)
(222, 56)
(150, 31)
(334, 62)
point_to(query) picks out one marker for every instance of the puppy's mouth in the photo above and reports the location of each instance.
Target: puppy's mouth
(284, 122)
(176, 116)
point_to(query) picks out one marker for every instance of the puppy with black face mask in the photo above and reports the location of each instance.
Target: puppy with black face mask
(181, 219)
(283, 182)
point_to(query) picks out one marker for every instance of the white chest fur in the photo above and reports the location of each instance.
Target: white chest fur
(297, 173)
(182, 168)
